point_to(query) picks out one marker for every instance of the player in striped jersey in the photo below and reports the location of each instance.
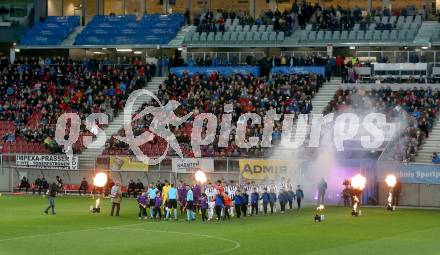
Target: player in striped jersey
(231, 189)
(210, 192)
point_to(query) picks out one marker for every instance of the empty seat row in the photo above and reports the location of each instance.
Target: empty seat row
(398, 19)
(255, 37)
(248, 28)
(376, 35)
(52, 31)
(117, 30)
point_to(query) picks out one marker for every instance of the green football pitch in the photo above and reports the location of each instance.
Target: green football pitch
(25, 229)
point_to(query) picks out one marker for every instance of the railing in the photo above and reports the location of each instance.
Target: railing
(304, 53)
(422, 56)
(231, 57)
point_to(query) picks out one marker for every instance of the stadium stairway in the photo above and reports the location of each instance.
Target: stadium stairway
(319, 102)
(430, 146)
(88, 156)
(180, 37)
(426, 32)
(325, 94)
(70, 40)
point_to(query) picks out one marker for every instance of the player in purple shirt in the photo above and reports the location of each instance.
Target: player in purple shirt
(204, 206)
(181, 190)
(157, 205)
(197, 193)
(143, 203)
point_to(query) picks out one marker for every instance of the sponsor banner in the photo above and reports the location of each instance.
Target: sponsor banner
(57, 161)
(299, 70)
(261, 169)
(127, 163)
(222, 70)
(183, 165)
(410, 173)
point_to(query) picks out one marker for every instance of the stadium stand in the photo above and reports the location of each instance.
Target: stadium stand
(34, 92)
(420, 105)
(397, 29)
(284, 93)
(52, 31)
(240, 28)
(153, 29)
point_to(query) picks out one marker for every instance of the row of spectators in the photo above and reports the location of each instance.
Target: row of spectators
(326, 19)
(301, 14)
(210, 22)
(415, 109)
(199, 94)
(34, 92)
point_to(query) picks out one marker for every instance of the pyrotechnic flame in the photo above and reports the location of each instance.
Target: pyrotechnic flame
(390, 199)
(97, 203)
(356, 203)
(100, 180)
(200, 176)
(358, 182)
(391, 180)
(320, 208)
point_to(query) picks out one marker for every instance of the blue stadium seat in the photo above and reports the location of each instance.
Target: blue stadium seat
(52, 31)
(125, 29)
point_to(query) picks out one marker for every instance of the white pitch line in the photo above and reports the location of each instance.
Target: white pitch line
(236, 244)
(124, 227)
(66, 232)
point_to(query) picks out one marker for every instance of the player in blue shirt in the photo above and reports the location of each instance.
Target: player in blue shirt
(152, 191)
(190, 214)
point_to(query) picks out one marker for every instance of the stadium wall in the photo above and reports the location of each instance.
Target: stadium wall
(413, 194)
(420, 182)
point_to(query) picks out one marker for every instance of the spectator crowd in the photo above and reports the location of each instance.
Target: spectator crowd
(415, 109)
(287, 94)
(300, 15)
(34, 92)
